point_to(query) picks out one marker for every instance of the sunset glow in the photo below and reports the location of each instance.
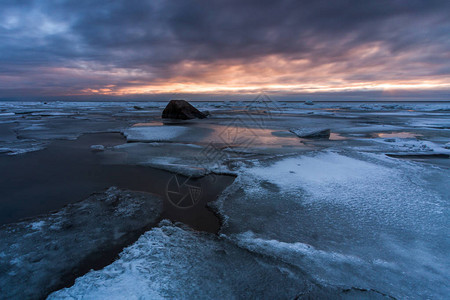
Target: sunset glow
(171, 48)
(210, 88)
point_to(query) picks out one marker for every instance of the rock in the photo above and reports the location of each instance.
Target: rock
(309, 102)
(138, 107)
(181, 109)
(311, 133)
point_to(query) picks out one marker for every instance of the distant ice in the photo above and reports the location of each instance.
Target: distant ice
(51, 113)
(431, 123)
(371, 128)
(154, 133)
(411, 145)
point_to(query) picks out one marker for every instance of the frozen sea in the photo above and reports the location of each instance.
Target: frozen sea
(106, 200)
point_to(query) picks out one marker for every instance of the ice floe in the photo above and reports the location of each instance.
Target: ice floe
(97, 148)
(42, 254)
(311, 133)
(339, 217)
(175, 262)
(154, 133)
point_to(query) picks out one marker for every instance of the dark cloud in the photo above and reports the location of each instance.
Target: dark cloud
(84, 44)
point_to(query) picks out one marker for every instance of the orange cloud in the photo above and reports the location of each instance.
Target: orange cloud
(366, 72)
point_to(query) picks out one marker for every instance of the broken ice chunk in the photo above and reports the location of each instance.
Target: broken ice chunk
(97, 148)
(52, 250)
(311, 133)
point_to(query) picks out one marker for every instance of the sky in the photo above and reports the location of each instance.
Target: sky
(139, 49)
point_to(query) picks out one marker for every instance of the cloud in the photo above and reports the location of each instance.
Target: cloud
(77, 47)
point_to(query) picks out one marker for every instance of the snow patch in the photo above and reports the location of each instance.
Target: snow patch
(317, 171)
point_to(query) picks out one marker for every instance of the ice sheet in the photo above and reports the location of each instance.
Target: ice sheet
(361, 220)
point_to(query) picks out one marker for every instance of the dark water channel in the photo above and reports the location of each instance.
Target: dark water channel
(39, 182)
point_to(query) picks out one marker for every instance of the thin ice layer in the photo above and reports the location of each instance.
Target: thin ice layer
(186, 159)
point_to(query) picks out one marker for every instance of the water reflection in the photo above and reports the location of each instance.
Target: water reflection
(401, 134)
(241, 136)
(337, 137)
(240, 133)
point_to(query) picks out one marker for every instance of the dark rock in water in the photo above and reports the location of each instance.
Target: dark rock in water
(309, 102)
(311, 133)
(181, 109)
(138, 107)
